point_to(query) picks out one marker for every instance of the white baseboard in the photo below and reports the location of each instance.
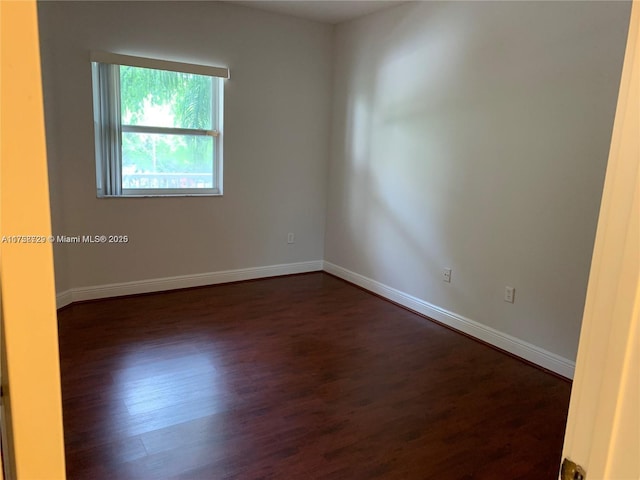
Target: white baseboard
(64, 298)
(520, 348)
(182, 281)
(532, 353)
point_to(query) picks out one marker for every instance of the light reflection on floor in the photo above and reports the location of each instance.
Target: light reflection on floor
(164, 387)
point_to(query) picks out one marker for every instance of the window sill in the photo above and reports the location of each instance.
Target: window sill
(163, 195)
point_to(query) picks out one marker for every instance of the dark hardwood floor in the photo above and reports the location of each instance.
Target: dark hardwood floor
(300, 377)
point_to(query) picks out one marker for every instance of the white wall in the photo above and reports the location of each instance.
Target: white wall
(469, 135)
(276, 124)
(475, 135)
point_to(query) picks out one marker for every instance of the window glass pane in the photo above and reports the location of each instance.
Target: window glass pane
(159, 98)
(151, 160)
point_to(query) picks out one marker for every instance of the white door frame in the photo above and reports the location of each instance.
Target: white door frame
(603, 427)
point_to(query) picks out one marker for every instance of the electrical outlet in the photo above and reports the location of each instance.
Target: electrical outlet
(446, 275)
(290, 238)
(509, 294)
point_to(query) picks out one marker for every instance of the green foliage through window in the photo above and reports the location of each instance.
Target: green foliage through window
(158, 126)
(159, 98)
(186, 95)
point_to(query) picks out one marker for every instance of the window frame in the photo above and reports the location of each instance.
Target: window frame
(108, 127)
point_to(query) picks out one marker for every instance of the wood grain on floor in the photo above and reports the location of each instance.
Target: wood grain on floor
(299, 377)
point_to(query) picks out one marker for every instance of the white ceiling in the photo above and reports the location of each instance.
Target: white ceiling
(327, 11)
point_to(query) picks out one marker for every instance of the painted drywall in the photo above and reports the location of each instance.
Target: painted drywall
(277, 112)
(55, 194)
(475, 136)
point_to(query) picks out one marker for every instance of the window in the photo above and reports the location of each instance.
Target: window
(158, 126)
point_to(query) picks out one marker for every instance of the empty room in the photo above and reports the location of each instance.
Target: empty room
(325, 240)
